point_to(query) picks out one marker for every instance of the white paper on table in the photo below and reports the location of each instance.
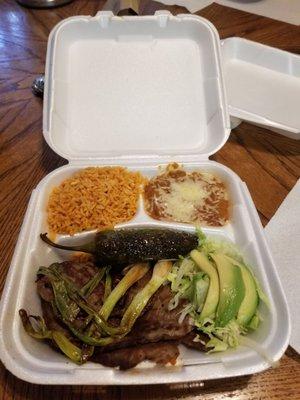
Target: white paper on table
(283, 236)
(282, 10)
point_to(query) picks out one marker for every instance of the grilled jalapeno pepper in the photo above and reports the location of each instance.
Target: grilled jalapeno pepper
(126, 246)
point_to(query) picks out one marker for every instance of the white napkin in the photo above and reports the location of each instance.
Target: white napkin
(283, 236)
(282, 10)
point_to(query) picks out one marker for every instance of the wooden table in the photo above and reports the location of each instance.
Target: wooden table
(267, 162)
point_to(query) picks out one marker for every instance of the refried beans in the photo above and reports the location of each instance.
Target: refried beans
(196, 197)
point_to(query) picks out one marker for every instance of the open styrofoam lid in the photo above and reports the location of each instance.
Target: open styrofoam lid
(134, 87)
(263, 85)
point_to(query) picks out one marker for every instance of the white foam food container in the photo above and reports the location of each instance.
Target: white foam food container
(138, 92)
(263, 85)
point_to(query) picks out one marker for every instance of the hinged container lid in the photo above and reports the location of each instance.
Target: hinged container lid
(263, 85)
(123, 88)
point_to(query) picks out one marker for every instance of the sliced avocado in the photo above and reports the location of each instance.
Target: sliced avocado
(232, 289)
(250, 302)
(253, 324)
(212, 297)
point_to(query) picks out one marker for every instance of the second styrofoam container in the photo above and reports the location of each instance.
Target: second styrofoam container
(263, 85)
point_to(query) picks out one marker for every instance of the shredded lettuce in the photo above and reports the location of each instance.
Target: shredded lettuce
(200, 284)
(216, 345)
(217, 245)
(229, 335)
(181, 277)
(190, 284)
(184, 312)
(201, 237)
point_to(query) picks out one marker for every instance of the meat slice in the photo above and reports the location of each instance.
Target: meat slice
(53, 323)
(160, 323)
(79, 274)
(160, 353)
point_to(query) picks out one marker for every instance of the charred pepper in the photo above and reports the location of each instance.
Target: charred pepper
(125, 246)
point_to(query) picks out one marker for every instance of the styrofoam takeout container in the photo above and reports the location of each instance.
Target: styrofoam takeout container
(263, 85)
(139, 92)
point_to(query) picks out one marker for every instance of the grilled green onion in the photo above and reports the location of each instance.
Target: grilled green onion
(139, 302)
(68, 299)
(79, 356)
(91, 285)
(66, 306)
(132, 276)
(90, 340)
(40, 330)
(67, 347)
(107, 289)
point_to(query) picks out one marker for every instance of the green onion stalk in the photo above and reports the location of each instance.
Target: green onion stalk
(77, 355)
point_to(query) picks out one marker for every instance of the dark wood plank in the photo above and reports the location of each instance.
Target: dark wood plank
(268, 163)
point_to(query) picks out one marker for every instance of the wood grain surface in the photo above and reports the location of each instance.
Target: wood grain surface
(267, 162)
